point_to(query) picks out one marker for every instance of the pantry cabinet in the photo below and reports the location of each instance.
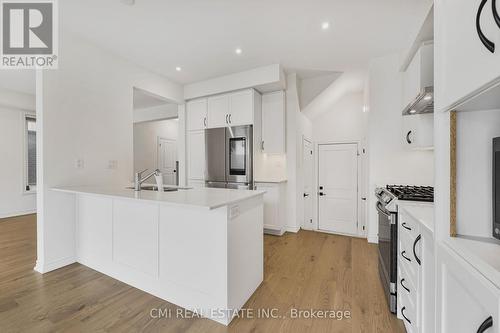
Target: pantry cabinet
(273, 123)
(196, 155)
(464, 64)
(196, 111)
(467, 300)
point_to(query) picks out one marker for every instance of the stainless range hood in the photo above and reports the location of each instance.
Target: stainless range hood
(423, 103)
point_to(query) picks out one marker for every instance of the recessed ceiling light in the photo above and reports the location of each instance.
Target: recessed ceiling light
(238, 51)
(325, 25)
(178, 69)
(413, 111)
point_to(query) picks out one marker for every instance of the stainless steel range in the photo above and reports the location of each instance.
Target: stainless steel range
(387, 208)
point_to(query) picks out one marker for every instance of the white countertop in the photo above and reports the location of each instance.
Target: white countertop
(208, 198)
(422, 212)
(483, 255)
(271, 180)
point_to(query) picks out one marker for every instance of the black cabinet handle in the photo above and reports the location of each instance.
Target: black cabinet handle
(414, 245)
(205, 121)
(495, 12)
(403, 255)
(486, 42)
(408, 137)
(321, 187)
(321, 194)
(402, 285)
(230, 118)
(227, 122)
(485, 325)
(306, 195)
(403, 314)
(404, 225)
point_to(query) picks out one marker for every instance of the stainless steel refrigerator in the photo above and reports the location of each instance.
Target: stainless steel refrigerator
(229, 157)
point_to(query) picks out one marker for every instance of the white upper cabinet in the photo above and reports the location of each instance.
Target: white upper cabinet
(196, 111)
(218, 111)
(232, 109)
(419, 74)
(241, 106)
(273, 123)
(418, 131)
(465, 65)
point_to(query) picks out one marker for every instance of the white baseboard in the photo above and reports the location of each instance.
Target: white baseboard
(52, 266)
(373, 239)
(14, 214)
(293, 229)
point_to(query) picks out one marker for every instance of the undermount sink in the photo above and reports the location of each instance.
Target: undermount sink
(155, 188)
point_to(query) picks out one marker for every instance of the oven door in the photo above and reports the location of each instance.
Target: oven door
(239, 154)
(387, 247)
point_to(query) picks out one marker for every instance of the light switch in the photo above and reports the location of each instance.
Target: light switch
(113, 164)
(79, 163)
(234, 212)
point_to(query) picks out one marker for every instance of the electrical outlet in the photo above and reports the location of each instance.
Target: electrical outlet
(79, 163)
(113, 164)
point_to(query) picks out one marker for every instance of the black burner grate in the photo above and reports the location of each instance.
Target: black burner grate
(412, 193)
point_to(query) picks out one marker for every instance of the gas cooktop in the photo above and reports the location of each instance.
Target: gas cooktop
(412, 193)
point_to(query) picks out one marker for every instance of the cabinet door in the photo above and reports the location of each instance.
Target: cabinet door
(196, 114)
(273, 123)
(418, 131)
(241, 108)
(218, 111)
(196, 155)
(465, 298)
(465, 65)
(271, 206)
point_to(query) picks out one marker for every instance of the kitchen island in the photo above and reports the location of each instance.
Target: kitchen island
(201, 249)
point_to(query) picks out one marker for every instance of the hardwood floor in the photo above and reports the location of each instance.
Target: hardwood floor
(307, 270)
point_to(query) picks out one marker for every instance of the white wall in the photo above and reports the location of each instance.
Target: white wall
(297, 127)
(389, 161)
(156, 113)
(345, 122)
(474, 171)
(13, 200)
(85, 111)
(146, 136)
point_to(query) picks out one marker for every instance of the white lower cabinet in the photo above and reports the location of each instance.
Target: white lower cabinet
(415, 289)
(466, 300)
(274, 207)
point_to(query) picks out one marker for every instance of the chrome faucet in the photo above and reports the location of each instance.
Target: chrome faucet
(138, 179)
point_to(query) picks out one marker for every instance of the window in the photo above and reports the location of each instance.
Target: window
(30, 153)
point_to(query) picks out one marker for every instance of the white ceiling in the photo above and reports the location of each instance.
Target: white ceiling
(18, 80)
(201, 35)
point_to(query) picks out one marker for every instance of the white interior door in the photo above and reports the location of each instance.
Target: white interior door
(338, 188)
(307, 155)
(167, 157)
